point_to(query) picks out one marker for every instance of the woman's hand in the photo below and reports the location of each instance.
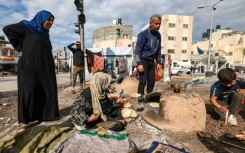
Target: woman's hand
(93, 117)
(113, 96)
(121, 100)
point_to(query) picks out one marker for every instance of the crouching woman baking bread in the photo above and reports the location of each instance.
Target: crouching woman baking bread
(94, 105)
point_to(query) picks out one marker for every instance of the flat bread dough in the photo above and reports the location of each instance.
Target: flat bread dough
(154, 104)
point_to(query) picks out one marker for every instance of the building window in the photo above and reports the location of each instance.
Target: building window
(184, 38)
(184, 60)
(125, 36)
(171, 25)
(184, 51)
(171, 38)
(216, 54)
(230, 53)
(185, 26)
(211, 45)
(170, 51)
(175, 64)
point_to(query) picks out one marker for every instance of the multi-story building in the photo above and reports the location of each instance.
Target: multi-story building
(8, 58)
(227, 47)
(60, 59)
(115, 35)
(176, 36)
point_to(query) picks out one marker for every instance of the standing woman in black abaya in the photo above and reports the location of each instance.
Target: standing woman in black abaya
(37, 86)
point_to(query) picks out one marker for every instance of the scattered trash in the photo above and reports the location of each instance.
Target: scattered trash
(8, 120)
(5, 104)
(162, 147)
(194, 81)
(204, 134)
(198, 81)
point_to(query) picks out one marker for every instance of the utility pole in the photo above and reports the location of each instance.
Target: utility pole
(57, 56)
(81, 22)
(213, 8)
(81, 26)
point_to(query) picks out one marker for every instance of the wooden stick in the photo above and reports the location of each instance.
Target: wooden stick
(240, 135)
(233, 145)
(226, 117)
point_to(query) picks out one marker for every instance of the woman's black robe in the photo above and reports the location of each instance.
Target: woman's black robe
(37, 86)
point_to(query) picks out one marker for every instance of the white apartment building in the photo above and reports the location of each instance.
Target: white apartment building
(227, 48)
(60, 59)
(176, 35)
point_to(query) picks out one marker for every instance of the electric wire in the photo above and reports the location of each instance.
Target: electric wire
(33, 16)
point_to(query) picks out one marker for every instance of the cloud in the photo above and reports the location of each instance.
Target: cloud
(100, 13)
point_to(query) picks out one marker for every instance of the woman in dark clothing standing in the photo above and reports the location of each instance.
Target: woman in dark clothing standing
(37, 86)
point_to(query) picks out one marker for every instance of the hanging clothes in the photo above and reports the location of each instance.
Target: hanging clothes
(98, 65)
(109, 64)
(121, 64)
(95, 61)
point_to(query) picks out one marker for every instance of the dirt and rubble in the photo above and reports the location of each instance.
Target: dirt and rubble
(211, 139)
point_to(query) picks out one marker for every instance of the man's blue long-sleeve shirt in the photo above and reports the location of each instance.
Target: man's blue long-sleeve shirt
(148, 46)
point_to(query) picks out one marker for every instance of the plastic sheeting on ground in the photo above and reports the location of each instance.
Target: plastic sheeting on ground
(84, 143)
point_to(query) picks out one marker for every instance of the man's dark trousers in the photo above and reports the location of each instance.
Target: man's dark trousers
(234, 103)
(147, 77)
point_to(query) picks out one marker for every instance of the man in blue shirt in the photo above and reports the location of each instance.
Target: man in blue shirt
(148, 49)
(227, 94)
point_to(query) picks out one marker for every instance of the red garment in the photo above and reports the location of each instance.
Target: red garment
(95, 62)
(98, 64)
(158, 73)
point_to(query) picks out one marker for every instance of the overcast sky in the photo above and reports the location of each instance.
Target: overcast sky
(100, 13)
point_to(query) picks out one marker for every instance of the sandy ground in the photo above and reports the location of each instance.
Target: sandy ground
(142, 133)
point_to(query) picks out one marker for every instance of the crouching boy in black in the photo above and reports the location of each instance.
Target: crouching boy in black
(227, 94)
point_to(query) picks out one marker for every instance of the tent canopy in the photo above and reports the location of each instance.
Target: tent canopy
(110, 51)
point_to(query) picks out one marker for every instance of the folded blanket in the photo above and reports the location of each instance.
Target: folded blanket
(36, 139)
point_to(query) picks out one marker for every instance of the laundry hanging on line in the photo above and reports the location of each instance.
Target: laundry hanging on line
(95, 61)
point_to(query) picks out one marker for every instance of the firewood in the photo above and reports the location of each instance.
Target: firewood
(226, 117)
(233, 145)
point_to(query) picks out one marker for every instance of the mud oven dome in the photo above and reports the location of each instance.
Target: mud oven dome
(180, 112)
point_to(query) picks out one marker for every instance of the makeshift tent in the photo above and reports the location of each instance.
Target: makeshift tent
(110, 54)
